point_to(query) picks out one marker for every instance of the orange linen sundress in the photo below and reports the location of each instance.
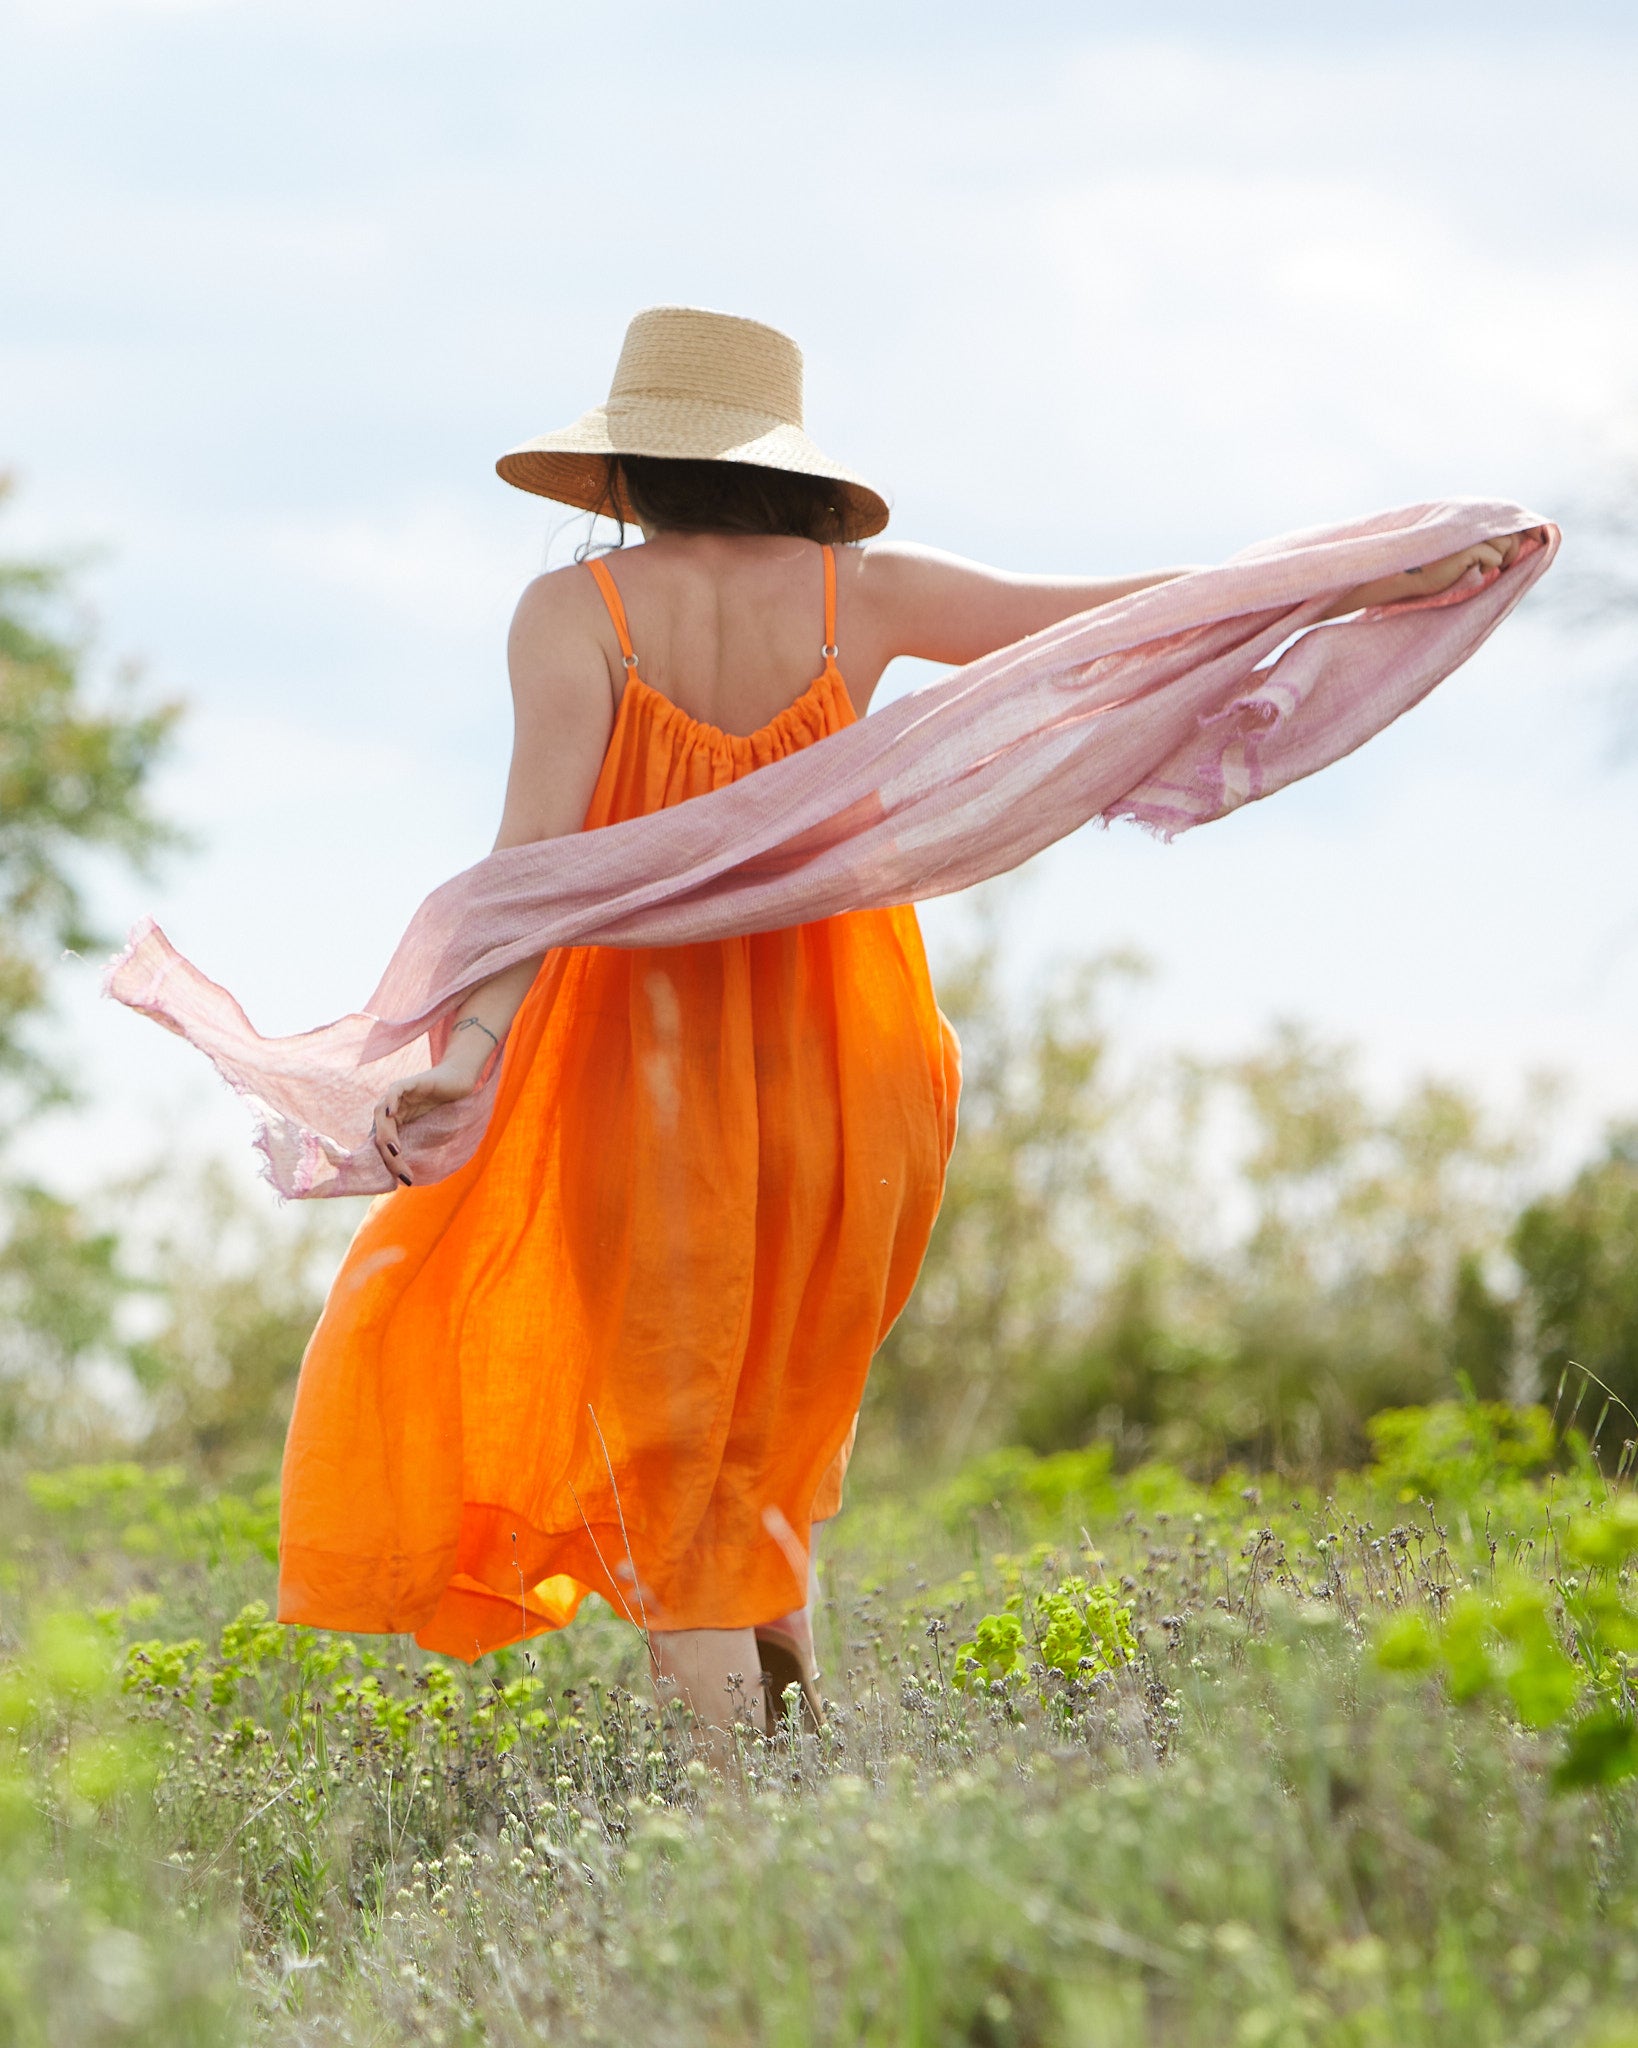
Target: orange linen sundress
(622, 1350)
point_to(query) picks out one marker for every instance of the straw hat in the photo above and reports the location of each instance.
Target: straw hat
(690, 383)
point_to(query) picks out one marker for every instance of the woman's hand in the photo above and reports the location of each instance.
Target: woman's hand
(452, 1080)
(1434, 578)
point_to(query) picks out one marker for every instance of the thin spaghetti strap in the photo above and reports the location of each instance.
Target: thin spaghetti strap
(616, 610)
(830, 648)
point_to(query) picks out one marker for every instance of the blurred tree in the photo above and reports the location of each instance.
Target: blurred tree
(1578, 1253)
(1577, 1250)
(1241, 1261)
(1484, 1334)
(1139, 1365)
(75, 770)
(237, 1290)
(1344, 1296)
(61, 1286)
(1004, 1270)
(75, 765)
(168, 1314)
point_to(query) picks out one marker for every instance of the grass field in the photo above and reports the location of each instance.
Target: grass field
(1110, 1761)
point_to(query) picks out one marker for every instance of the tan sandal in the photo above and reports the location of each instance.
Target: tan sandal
(781, 1669)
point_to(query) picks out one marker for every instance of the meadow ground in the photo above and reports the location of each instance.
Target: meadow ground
(1110, 1760)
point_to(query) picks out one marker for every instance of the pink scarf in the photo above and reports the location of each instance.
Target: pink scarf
(1171, 707)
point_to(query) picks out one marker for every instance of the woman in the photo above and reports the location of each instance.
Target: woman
(711, 1171)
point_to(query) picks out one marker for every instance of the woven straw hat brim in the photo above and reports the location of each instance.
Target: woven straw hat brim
(572, 464)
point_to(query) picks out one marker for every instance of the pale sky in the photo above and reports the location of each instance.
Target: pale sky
(1082, 288)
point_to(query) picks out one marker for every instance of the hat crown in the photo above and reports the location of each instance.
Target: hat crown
(716, 359)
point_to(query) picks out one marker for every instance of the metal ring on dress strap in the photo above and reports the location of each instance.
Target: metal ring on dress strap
(630, 660)
(830, 653)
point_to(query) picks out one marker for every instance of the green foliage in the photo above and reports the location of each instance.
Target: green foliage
(1458, 1448)
(1557, 1651)
(995, 1652)
(157, 1512)
(1602, 1750)
(1016, 1480)
(169, 1667)
(1081, 1632)
(250, 1637)
(1407, 1643)
(1607, 1537)
(1083, 1628)
(95, 1945)
(1170, 1787)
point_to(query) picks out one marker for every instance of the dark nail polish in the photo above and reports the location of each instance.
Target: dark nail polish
(393, 1149)
(404, 1177)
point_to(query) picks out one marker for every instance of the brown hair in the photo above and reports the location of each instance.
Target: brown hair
(692, 496)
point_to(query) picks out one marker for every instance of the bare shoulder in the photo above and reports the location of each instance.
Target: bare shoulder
(563, 707)
(556, 635)
(888, 570)
(909, 558)
(910, 599)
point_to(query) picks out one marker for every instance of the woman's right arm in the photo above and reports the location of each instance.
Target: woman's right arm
(562, 717)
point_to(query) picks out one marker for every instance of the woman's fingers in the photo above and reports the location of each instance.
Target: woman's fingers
(1484, 555)
(403, 1104)
(1434, 578)
(387, 1137)
(406, 1103)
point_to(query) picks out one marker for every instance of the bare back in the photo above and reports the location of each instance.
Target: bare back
(730, 628)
